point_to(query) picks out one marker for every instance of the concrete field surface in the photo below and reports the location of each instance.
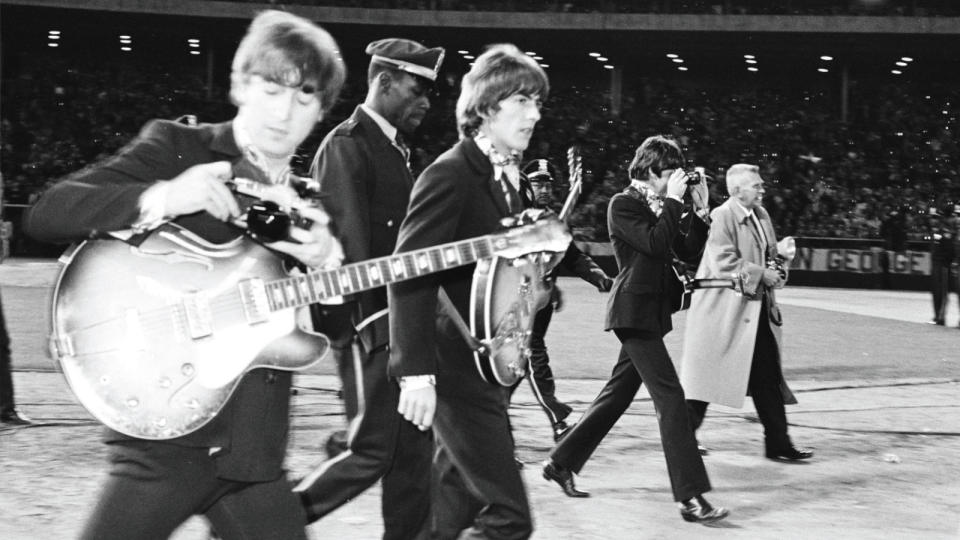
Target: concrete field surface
(879, 404)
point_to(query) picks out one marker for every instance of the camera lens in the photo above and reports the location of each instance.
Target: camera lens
(694, 178)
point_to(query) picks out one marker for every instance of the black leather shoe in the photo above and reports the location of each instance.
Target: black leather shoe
(560, 430)
(12, 417)
(790, 454)
(556, 473)
(698, 510)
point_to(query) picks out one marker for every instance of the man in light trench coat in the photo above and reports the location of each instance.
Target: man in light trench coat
(731, 346)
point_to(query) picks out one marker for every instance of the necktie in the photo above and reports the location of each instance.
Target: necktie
(763, 236)
(403, 148)
(511, 194)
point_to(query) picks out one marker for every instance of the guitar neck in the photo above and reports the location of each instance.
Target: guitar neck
(571, 200)
(316, 286)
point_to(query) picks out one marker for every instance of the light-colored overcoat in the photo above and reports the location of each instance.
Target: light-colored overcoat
(721, 327)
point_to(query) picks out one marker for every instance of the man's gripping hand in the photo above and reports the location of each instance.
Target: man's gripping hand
(418, 405)
(201, 187)
(317, 247)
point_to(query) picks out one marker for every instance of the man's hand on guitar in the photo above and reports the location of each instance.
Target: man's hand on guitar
(201, 187)
(317, 247)
(418, 406)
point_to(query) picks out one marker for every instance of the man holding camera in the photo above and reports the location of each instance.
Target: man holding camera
(732, 343)
(648, 230)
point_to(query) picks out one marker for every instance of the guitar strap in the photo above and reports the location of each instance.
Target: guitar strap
(446, 305)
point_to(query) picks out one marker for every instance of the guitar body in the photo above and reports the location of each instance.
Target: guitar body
(506, 296)
(154, 339)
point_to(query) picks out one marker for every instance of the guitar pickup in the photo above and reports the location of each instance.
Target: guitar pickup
(253, 297)
(196, 308)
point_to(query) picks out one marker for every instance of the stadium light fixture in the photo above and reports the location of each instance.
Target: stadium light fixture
(602, 59)
(672, 55)
(53, 44)
(896, 72)
(595, 54)
(126, 49)
(749, 56)
(826, 58)
(468, 57)
(681, 68)
(753, 69)
(55, 37)
(678, 60)
(197, 53)
(750, 61)
(531, 53)
(906, 59)
(538, 57)
(608, 66)
(461, 51)
(544, 66)
(902, 64)
(54, 32)
(823, 70)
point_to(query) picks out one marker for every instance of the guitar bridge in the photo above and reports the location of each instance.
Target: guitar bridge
(61, 347)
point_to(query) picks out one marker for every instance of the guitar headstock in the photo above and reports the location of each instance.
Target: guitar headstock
(537, 231)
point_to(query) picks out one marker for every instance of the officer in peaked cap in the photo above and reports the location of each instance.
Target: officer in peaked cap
(538, 188)
(407, 55)
(363, 170)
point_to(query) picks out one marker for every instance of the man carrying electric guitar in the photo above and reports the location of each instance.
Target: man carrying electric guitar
(285, 75)
(478, 491)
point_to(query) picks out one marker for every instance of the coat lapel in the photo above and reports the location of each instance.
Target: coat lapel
(383, 146)
(482, 166)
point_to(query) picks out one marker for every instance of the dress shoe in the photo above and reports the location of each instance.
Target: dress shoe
(564, 477)
(938, 322)
(560, 430)
(698, 510)
(12, 417)
(704, 451)
(790, 454)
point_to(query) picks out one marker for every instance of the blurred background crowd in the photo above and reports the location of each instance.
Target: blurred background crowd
(827, 178)
(862, 156)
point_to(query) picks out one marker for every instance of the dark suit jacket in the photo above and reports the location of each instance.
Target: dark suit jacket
(252, 427)
(644, 245)
(365, 184)
(455, 198)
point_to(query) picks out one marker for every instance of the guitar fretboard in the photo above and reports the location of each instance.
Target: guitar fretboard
(300, 290)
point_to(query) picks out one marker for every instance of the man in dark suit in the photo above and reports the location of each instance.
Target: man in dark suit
(647, 233)
(285, 76)
(477, 491)
(363, 170)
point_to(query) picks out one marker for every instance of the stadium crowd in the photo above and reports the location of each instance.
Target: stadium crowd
(909, 8)
(827, 177)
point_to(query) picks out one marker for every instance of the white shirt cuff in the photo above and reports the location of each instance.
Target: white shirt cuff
(153, 202)
(416, 382)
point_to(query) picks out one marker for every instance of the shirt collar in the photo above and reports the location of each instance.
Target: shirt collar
(654, 201)
(748, 212)
(252, 154)
(388, 129)
(501, 164)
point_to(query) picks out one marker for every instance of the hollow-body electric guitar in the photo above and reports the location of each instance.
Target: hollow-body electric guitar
(153, 339)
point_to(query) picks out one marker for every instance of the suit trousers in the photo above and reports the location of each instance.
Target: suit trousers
(153, 487)
(940, 288)
(381, 445)
(764, 386)
(477, 490)
(643, 358)
(539, 374)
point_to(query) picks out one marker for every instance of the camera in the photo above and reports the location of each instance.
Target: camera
(696, 176)
(265, 220)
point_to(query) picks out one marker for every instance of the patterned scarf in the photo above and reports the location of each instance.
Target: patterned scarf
(654, 201)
